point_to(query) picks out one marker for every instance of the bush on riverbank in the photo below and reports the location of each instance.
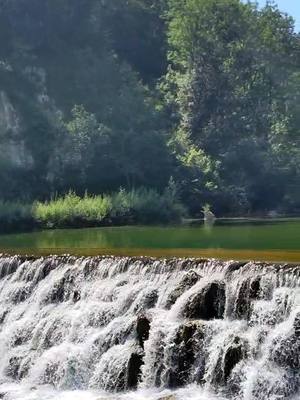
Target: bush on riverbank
(141, 206)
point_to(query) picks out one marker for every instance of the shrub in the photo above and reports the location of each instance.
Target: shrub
(147, 206)
(72, 211)
(143, 206)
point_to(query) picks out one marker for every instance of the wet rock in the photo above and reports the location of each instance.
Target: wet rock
(58, 292)
(234, 383)
(118, 372)
(232, 357)
(286, 352)
(9, 267)
(234, 353)
(208, 304)
(189, 280)
(20, 337)
(44, 270)
(147, 301)
(63, 289)
(249, 290)
(281, 388)
(12, 369)
(134, 370)
(188, 345)
(3, 315)
(22, 293)
(234, 266)
(170, 397)
(254, 290)
(76, 296)
(142, 329)
(297, 326)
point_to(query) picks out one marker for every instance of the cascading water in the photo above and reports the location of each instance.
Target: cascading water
(139, 328)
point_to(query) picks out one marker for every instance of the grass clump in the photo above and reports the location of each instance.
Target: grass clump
(73, 211)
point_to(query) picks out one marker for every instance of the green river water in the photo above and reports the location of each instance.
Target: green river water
(269, 240)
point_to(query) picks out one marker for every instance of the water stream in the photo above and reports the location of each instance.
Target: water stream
(103, 328)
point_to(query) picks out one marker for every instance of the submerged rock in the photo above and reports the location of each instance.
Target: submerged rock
(208, 304)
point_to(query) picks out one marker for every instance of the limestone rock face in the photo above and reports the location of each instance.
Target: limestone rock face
(13, 147)
(9, 120)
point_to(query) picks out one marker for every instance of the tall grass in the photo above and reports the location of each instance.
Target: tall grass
(141, 206)
(73, 211)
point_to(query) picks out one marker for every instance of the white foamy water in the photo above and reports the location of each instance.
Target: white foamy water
(134, 328)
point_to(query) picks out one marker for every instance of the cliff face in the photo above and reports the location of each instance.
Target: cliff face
(12, 145)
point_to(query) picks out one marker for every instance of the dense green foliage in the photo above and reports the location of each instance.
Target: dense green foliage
(98, 95)
(141, 206)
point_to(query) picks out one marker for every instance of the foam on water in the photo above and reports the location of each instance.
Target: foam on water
(134, 328)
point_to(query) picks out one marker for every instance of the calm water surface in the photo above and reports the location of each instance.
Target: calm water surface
(277, 240)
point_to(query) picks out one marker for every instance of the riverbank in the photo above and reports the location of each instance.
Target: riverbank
(141, 206)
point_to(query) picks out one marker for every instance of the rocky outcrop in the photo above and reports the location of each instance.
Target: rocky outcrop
(208, 303)
(188, 345)
(248, 291)
(286, 351)
(189, 280)
(134, 370)
(234, 352)
(142, 329)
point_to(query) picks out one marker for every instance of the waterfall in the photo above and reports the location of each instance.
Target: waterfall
(140, 328)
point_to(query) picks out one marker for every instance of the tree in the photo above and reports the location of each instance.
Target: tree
(229, 63)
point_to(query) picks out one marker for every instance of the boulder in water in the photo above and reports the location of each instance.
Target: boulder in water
(208, 304)
(248, 291)
(234, 352)
(134, 370)
(147, 301)
(142, 329)
(188, 345)
(189, 280)
(286, 352)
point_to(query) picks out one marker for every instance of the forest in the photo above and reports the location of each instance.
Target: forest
(162, 103)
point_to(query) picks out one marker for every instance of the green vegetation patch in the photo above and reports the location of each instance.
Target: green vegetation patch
(136, 206)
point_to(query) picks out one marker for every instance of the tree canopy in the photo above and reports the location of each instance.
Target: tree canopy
(99, 95)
